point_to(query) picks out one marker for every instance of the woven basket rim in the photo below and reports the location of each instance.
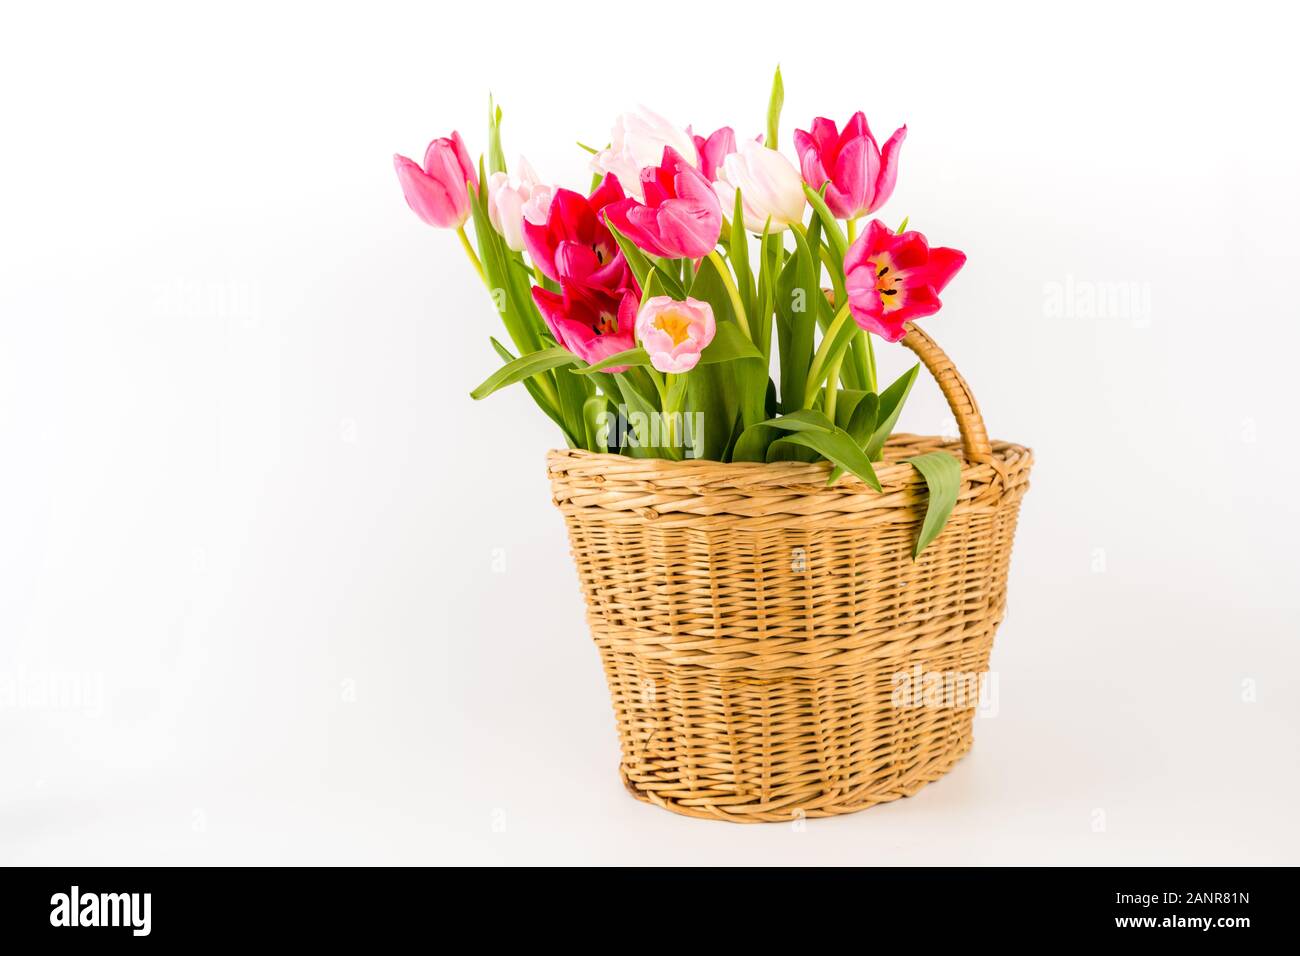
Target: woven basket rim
(893, 472)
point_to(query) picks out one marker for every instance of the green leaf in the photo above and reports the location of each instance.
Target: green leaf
(633, 356)
(839, 448)
(711, 388)
(510, 287)
(708, 286)
(774, 104)
(942, 474)
(839, 243)
(496, 157)
(856, 414)
(891, 406)
(594, 410)
(755, 439)
(738, 254)
(643, 266)
(652, 286)
(636, 259)
(710, 391)
(640, 411)
(524, 367)
(769, 267)
(797, 303)
(749, 376)
(538, 395)
(862, 420)
(729, 343)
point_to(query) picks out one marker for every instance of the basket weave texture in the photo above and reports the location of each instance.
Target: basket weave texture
(753, 623)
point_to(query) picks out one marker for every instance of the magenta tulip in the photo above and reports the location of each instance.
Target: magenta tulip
(573, 222)
(680, 218)
(438, 193)
(861, 175)
(593, 316)
(712, 150)
(893, 278)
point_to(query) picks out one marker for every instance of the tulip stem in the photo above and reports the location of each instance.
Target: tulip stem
(732, 292)
(871, 362)
(833, 384)
(823, 355)
(851, 228)
(473, 256)
(658, 381)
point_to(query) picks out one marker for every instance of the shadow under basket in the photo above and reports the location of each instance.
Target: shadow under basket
(770, 643)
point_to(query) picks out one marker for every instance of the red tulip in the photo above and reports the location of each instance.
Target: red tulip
(574, 221)
(438, 193)
(861, 174)
(591, 319)
(892, 279)
(680, 218)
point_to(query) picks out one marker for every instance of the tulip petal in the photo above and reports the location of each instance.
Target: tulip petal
(856, 169)
(888, 169)
(944, 264)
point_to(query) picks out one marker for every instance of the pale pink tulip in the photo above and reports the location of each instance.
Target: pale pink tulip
(638, 141)
(675, 333)
(508, 195)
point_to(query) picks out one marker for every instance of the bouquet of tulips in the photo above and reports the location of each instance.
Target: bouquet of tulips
(641, 312)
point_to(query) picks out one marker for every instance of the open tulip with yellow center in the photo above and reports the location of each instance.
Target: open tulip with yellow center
(675, 333)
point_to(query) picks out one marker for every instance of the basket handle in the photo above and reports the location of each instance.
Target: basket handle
(974, 438)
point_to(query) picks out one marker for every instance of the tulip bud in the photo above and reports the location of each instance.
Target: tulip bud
(438, 193)
(859, 175)
(508, 195)
(769, 186)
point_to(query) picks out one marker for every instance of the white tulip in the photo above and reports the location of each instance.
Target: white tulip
(769, 186)
(638, 141)
(507, 197)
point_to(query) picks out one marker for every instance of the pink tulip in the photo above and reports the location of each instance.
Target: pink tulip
(713, 150)
(892, 278)
(437, 193)
(675, 333)
(680, 218)
(861, 174)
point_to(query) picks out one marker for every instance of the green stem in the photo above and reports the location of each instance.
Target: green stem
(833, 384)
(732, 292)
(660, 385)
(851, 229)
(469, 251)
(871, 362)
(674, 392)
(824, 354)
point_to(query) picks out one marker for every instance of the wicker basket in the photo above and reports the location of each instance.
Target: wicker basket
(753, 623)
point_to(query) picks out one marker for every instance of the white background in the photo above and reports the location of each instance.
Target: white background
(316, 601)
